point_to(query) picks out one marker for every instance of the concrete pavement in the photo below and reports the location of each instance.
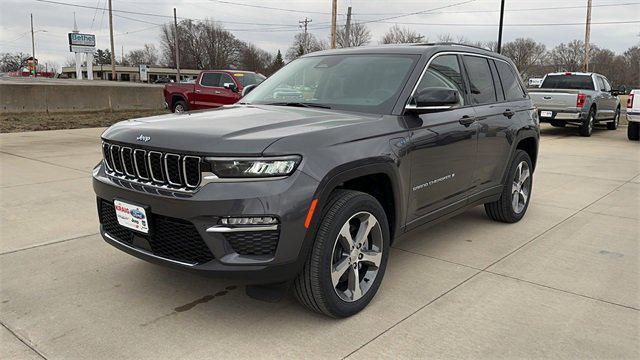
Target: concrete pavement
(562, 283)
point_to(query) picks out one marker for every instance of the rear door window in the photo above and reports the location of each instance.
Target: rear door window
(510, 84)
(225, 78)
(210, 79)
(600, 83)
(481, 84)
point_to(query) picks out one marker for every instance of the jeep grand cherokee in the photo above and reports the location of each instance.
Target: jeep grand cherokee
(311, 191)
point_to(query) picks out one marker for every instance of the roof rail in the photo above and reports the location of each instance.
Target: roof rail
(449, 44)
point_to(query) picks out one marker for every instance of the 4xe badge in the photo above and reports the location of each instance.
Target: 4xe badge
(143, 138)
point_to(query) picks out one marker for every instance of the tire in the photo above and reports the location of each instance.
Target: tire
(504, 209)
(558, 123)
(633, 130)
(314, 287)
(613, 125)
(587, 125)
(180, 106)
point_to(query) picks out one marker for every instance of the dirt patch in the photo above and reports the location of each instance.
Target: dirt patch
(17, 122)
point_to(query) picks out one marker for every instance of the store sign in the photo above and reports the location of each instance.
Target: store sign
(144, 72)
(82, 39)
(82, 49)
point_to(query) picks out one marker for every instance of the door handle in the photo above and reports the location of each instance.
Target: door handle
(508, 113)
(217, 92)
(467, 120)
(196, 91)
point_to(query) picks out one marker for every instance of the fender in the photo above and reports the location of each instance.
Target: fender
(525, 133)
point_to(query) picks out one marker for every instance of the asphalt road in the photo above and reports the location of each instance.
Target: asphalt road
(562, 283)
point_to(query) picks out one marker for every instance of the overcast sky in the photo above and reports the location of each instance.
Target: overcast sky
(273, 29)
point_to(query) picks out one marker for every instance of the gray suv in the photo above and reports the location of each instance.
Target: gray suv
(309, 193)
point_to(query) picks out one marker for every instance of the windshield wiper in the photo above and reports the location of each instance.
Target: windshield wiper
(301, 104)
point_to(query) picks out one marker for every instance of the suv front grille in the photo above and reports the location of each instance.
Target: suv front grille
(170, 238)
(153, 167)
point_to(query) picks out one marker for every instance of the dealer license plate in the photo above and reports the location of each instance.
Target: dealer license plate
(546, 114)
(132, 216)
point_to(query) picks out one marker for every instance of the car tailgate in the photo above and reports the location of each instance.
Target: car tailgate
(555, 99)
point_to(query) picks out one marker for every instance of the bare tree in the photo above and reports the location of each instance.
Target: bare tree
(147, 55)
(525, 53)
(12, 61)
(304, 43)
(358, 35)
(568, 57)
(398, 35)
(632, 59)
(255, 59)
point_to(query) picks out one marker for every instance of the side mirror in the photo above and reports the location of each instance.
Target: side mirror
(247, 89)
(435, 98)
(230, 86)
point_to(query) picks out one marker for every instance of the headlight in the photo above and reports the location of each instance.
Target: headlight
(254, 167)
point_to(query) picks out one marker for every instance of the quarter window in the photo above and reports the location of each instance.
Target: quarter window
(443, 71)
(480, 80)
(210, 79)
(510, 84)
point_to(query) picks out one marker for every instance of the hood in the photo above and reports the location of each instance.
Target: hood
(233, 130)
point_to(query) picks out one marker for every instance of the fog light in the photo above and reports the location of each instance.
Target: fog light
(254, 220)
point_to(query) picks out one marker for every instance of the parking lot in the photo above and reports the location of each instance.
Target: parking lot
(562, 283)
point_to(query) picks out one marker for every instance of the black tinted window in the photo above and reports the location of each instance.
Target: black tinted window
(569, 81)
(510, 84)
(444, 71)
(480, 80)
(210, 79)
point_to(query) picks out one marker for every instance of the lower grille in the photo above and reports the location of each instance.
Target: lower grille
(254, 242)
(170, 237)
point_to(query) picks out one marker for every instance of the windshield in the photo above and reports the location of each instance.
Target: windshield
(366, 83)
(577, 82)
(248, 78)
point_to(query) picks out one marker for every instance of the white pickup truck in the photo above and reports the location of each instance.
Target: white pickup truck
(633, 115)
(575, 98)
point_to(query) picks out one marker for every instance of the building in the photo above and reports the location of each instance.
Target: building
(130, 73)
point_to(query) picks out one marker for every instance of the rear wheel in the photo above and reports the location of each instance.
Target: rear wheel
(347, 262)
(514, 201)
(587, 125)
(613, 125)
(180, 106)
(633, 131)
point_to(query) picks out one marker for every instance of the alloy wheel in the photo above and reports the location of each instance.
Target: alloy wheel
(521, 187)
(356, 257)
(179, 108)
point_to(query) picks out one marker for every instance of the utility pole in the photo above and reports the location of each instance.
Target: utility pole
(347, 29)
(113, 50)
(587, 35)
(304, 24)
(177, 47)
(334, 14)
(501, 25)
(33, 47)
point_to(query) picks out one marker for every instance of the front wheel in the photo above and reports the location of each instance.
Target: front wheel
(514, 201)
(613, 125)
(346, 265)
(180, 107)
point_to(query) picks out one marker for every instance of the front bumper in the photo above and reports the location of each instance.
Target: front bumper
(288, 199)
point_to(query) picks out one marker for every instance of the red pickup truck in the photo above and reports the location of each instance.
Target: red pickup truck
(211, 89)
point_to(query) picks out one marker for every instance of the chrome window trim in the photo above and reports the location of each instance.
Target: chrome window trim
(115, 168)
(166, 169)
(135, 163)
(152, 175)
(415, 87)
(184, 170)
(124, 166)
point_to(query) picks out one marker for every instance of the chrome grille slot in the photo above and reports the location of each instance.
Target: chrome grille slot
(172, 169)
(191, 171)
(117, 160)
(127, 161)
(106, 152)
(140, 161)
(155, 166)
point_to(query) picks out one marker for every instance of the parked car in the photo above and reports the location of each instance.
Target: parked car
(582, 99)
(312, 193)
(633, 115)
(211, 89)
(163, 80)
